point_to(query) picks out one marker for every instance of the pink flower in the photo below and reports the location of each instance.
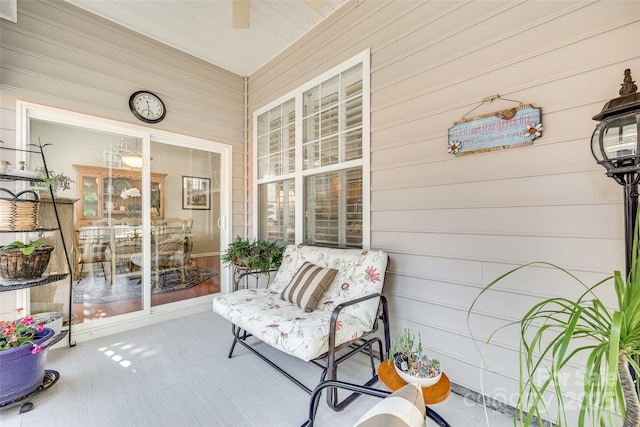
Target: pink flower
(344, 286)
(20, 332)
(27, 321)
(374, 276)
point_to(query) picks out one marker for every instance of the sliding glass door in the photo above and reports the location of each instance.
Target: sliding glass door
(144, 215)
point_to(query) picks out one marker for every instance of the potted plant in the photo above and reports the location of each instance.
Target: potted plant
(253, 255)
(20, 261)
(411, 363)
(58, 181)
(23, 352)
(605, 341)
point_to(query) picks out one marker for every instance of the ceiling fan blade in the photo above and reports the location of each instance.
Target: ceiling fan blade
(316, 4)
(240, 14)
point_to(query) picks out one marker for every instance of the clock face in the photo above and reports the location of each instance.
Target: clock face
(147, 107)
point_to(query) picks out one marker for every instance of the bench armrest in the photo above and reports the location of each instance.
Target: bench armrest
(340, 307)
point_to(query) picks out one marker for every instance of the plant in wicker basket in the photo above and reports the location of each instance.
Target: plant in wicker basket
(20, 261)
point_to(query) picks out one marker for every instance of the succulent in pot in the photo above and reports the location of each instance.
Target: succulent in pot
(411, 363)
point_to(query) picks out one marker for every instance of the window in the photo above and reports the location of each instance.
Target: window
(315, 142)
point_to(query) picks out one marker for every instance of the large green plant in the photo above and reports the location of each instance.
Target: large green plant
(557, 330)
(253, 254)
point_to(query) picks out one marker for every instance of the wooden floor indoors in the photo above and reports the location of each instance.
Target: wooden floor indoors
(177, 373)
(83, 312)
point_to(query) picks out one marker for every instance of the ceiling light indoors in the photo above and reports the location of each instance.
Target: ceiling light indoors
(132, 159)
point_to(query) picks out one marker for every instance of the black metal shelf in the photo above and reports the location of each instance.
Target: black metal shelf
(13, 285)
(8, 177)
(35, 230)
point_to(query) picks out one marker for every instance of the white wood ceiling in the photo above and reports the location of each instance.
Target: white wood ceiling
(203, 28)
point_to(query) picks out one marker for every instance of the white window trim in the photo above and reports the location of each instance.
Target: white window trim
(363, 57)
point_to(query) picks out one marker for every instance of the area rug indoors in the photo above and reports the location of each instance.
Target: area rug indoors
(100, 291)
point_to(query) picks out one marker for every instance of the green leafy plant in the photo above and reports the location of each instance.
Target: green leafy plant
(558, 330)
(27, 249)
(17, 333)
(58, 181)
(253, 255)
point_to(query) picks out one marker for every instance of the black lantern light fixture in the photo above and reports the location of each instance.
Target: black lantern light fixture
(615, 145)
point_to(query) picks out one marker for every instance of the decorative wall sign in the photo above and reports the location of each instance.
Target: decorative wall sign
(514, 127)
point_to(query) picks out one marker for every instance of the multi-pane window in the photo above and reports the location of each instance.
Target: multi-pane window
(333, 203)
(277, 205)
(276, 141)
(313, 142)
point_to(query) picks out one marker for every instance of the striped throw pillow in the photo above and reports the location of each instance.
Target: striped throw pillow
(402, 408)
(307, 285)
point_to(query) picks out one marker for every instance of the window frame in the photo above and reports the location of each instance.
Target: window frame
(299, 174)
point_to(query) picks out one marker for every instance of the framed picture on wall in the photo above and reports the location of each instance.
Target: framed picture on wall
(196, 193)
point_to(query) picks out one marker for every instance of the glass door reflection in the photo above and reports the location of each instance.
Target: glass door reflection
(120, 217)
(185, 242)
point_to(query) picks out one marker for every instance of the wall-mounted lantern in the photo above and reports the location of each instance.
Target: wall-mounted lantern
(615, 145)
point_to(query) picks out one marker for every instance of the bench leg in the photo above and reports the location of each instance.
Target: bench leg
(238, 336)
(235, 330)
(332, 362)
(331, 372)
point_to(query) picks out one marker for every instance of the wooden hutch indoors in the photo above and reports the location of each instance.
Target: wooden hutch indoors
(99, 192)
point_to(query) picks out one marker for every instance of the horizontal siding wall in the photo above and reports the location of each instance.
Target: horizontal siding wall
(61, 56)
(453, 224)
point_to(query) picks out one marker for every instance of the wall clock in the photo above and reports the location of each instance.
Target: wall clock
(147, 106)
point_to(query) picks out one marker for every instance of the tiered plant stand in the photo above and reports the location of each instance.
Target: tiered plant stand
(6, 285)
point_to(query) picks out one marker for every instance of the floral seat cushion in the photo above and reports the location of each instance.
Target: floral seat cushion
(284, 325)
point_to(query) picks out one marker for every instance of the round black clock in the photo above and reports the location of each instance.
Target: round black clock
(147, 106)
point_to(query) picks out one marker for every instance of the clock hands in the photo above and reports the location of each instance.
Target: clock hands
(147, 112)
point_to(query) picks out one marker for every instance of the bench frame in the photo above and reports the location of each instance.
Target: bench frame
(335, 355)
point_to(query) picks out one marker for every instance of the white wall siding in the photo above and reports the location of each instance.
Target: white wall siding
(453, 224)
(61, 56)
(65, 57)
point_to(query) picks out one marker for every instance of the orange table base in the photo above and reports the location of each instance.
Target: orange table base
(432, 394)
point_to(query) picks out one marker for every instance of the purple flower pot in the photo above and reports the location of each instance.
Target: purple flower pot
(22, 372)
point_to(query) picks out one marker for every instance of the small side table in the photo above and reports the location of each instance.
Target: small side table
(240, 273)
(433, 394)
